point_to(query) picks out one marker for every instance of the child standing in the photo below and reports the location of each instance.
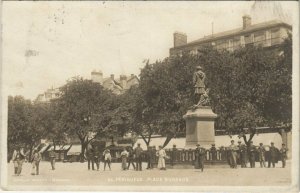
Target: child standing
(107, 158)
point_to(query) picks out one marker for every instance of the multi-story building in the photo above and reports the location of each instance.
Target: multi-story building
(48, 95)
(266, 34)
(117, 86)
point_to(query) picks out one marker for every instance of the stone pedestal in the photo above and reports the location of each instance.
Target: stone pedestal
(200, 127)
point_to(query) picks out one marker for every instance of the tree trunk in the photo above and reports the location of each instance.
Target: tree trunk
(145, 140)
(168, 139)
(83, 147)
(30, 151)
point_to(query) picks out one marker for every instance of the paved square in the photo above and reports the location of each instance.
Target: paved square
(77, 174)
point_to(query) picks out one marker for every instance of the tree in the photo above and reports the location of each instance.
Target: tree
(249, 88)
(82, 109)
(28, 123)
(162, 98)
(18, 122)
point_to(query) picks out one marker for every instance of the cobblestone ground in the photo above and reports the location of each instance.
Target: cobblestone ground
(77, 174)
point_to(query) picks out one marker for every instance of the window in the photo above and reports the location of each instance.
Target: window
(268, 38)
(259, 38)
(275, 36)
(248, 39)
(236, 42)
(222, 44)
(230, 44)
(242, 41)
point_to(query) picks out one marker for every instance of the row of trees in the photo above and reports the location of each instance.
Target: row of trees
(249, 87)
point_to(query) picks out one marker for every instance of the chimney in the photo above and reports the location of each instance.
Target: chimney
(180, 39)
(112, 76)
(246, 21)
(97, 76)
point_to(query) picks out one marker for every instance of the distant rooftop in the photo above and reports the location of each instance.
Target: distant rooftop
(237, 31)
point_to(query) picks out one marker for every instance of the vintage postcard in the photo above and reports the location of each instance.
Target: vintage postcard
(159, 96)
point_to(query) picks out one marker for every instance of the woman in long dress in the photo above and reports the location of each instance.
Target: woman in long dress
(161, 158)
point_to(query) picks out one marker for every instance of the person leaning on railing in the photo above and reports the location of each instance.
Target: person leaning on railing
(200, 154)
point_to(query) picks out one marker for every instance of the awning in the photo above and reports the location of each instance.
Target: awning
(46, 146)
(59, 148)
(75, 150)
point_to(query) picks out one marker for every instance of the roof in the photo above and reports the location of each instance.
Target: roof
(237, 31)
(64, 147)
(44, 148)
(74, 150)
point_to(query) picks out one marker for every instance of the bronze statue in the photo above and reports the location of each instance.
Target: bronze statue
(199, 83)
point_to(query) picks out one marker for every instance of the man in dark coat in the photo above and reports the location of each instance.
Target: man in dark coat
(173, 155)
(283, 154)
(150, 158)
(213, 151)
(252, 152)
(238, 157)
(52, 157)
(90, 156)
(199, 157)
(223, 153)
(138, 152)
(130, 158)
(243, 155)
(273, 155)
(97, 156)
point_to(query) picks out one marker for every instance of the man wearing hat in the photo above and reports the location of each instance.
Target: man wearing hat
(261, 155)
(238, 157)
(130, 158)
(252, 152)
(198, 81)
(52, 157)
(243, 155)
(199, 157)
(173, 155)
(90, 156)
(213, 151)
(138, 151)
(283, 154)
(273, 153)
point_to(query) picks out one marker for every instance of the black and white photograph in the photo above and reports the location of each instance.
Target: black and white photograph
(158, 96)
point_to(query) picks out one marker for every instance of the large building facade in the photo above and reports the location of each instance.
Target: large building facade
(266, 34)
(48, 95)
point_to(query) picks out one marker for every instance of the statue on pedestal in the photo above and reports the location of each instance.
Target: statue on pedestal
(200, 92)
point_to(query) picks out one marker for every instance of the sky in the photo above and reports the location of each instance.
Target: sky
(46, 43)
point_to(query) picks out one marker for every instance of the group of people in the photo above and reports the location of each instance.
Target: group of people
(94, 157)
(236, 154)
(129, 157)
(19, 158)
(242, 153)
